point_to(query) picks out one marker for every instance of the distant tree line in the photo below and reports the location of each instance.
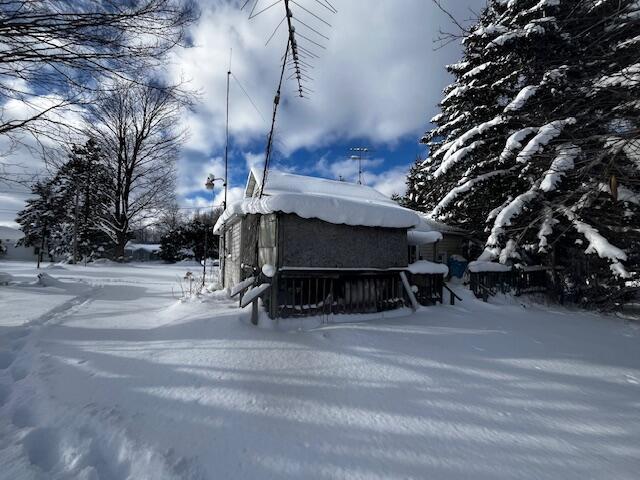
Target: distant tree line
(188, 238)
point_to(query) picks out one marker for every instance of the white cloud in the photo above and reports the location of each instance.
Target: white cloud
(346, 168)
(389, 182)
(193, 176)
(379, 77)
(215, 199)
(233, 194)
(378, 80)
(253, 160)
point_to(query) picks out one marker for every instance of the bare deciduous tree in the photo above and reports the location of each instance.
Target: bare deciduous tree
(136, 126)
(58, 55)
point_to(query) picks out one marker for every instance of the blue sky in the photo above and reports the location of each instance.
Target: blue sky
(384, 166)
(376, 84)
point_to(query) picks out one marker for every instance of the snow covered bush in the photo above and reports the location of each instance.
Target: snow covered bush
(536, 150)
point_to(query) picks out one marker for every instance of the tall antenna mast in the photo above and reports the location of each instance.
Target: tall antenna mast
(226, 145)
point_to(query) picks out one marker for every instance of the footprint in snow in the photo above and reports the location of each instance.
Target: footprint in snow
(18, 373)
(6, 359)
(5, 391)
(42, 448)
(17, 345)
(22, 417)
(18, 333)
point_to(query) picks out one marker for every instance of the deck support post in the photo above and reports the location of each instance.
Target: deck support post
(410, 294)
(254, 312)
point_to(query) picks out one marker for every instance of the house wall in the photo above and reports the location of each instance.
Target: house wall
(442, 250)
(313, 243)
(267, 244)
(249, 237)
(232, 258)
(141, 255)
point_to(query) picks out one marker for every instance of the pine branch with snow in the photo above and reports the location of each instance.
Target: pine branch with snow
(536, 150)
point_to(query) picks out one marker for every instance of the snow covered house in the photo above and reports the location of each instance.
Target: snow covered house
(451, 242)
(142, 252)
(311, 246)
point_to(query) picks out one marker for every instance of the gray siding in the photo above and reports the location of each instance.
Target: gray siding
(317, 244)
(249, 239)
(232, 258)
(442, 250)
(267, 240)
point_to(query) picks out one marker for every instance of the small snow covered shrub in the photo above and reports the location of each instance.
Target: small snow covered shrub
(536, 150)
(196, 284)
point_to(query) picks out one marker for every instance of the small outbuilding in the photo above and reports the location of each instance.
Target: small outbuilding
(316, 246)
(451, 243)
(142, 252)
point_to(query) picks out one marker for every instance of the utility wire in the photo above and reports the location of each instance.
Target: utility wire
(249, 97)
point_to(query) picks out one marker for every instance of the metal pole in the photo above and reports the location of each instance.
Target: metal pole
(75, 230)
(226, 146)
(44, 233)
(204, 263)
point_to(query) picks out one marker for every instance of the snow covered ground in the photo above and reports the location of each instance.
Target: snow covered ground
(104, 374)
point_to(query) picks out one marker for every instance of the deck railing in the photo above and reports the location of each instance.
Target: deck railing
(430, 288)
(300, 295)
(535, 279)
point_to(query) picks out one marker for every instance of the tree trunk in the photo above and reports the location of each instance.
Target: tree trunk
(121, 243)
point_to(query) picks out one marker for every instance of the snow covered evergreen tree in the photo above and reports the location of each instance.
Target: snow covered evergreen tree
(69, 204)
(82, 182)
(37, 219)
(537, 148)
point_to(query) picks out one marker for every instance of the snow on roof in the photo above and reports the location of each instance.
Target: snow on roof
(426, 267)
(428, 224)
(328, 200)
(484, 266)
(148, 247)
(416, 237)
(8, 233)
(284, 182)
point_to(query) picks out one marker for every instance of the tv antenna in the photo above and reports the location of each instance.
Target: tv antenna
(359, 154)
(306, 34)
(301, 50)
